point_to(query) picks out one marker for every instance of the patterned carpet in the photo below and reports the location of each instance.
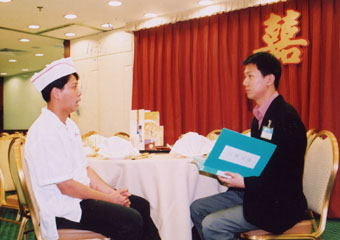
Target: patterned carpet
(9, 231)
(332, 231)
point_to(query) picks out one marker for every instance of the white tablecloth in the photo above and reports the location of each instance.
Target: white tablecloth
(170, 184)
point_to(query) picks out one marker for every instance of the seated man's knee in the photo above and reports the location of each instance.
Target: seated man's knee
(136, 220)
(141, 205)
(139, 201)
(134, 228)
(197, 210)
(194, 207)
(209, 224)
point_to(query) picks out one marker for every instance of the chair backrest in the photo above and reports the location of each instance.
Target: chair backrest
(86, 135)
(311, 134)
(4, 134)
(22, 180)
(93, 139)
(213, 135)
(7, 181)
(321, 165)
(123, 135)
(247, 132)
(15, 177)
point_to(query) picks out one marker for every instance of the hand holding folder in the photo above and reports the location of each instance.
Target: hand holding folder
(235, 152)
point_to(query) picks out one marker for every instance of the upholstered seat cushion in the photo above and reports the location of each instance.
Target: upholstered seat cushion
(73, 234)
(304, 226)
(12, 200)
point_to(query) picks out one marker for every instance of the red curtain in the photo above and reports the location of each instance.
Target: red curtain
(191, 72)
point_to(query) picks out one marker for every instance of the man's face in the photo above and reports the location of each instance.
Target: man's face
(255, 84)
(70, 94)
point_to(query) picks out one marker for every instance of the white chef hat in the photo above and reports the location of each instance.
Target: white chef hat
(52, 72)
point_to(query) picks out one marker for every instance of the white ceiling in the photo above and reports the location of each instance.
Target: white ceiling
(15, 16)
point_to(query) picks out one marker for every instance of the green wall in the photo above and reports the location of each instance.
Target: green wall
(22, 102)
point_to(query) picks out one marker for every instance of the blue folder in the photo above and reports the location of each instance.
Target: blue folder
(236, 152)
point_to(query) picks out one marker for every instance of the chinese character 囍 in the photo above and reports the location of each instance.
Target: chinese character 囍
(280, 38)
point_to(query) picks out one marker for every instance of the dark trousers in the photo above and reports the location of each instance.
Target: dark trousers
(115, 221)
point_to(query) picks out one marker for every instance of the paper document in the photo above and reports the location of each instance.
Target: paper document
(235, 152)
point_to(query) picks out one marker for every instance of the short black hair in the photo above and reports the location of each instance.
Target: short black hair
(267, 64)
(59, 83)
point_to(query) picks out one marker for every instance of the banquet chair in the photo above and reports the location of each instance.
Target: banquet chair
(2, 134)
(23, 185)
(247, 132)
(86, 135)
(23, 210)
(8, 196)
(123, 135)
(213, 135)
(87, 140)
(321, 165)
(10, 201)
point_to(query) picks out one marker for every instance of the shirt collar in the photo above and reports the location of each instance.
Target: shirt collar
(53, 117)
(260, 111)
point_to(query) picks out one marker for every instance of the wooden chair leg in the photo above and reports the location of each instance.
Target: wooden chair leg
(22, 228)
(18, 216)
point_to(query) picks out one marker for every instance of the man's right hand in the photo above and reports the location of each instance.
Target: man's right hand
(76, 189)
(120, 197)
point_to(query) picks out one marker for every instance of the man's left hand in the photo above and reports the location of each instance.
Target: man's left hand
(236, 180)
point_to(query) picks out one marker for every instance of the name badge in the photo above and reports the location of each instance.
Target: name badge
(267, 131)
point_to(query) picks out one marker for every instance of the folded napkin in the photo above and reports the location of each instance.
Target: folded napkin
(88, 151)
(116, 147)
(199, 162)
(192, 144)
(94, 141)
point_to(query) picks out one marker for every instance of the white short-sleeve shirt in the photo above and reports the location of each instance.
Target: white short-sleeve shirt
(54, 154)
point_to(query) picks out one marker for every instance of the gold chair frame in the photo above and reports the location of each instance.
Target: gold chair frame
(23, 183)
(246, 132)
(311, 135)
(318, 229)
(86, 135)
(123, 135)
(213, 135)
(2, 134)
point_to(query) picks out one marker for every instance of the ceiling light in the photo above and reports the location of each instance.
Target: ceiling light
(39, 54)
(70, 16)
(115, 3)
(24, 40)
(4, 1)
(34, 26)
(24, 69)
(150, 15)
(205, 2)
(3, 74)
(70, 34)
(12, 60)
(107, 25)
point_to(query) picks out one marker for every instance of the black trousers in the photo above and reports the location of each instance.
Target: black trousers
(115, 221)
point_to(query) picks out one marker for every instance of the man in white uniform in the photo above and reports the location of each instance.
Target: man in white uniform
(69, 193)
